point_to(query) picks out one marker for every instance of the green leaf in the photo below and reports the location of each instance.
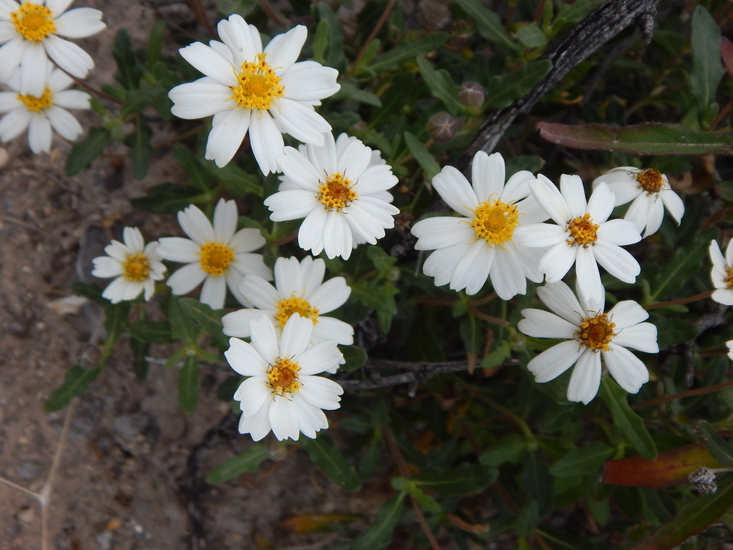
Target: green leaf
(188, 385)
(129, 70)
(240, 7)
(76, 381)
(140, 350)
(638, 139)
(91, 291)
(487, 23)
(538, 482)
(626, 420)
(507, 449)
(379, 534)
(707, 68)
(532, 36)
(586, 460)
(320, 41)
(140, 150)
(246, 462)
(504, 90)
(382, 261)
(137, 100)
(154, 332)
(354, 356)
(719, 447)
(209, 319)
(528, 519)
(407, 51)
(198, 176)
(116, 320)
(155, 43)
(684, 263)
(350, 91)
(237, 180)
(334, 54)
(471, 334)
(324, 453)
(441, 85)
(466, 479)
(693, 518)
(380, 298)
(671, 331)
(84, 152)
(424, 158)
(183, 328)
(498, 356)
(168, 198)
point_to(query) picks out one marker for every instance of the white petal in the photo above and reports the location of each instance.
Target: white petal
(57, 7)
(264, 338)
(296, 336)
(300, 121)
(210, 62)
(71, 99)
(68, 56)
(441, 264)
(517, 188)
(79, 23)
(488, 174)
(258, 426)
(266, 140)
(560, 299)
(537, 235)
(551, 363)
(638, 212)
(329, 328)
(284, 49)
(617, 261)
(455, 190)
(7, 31)
(543, 324)
(586, 378)
(64, 123)
(10, 55)
(178, 249)
(284, 418)
(261, 293)
(330, 295)
(321, 392)
(9, 101)
(354, 160)
(226, 136)
(196, 225)
(214, 291)
(237, 322)
(473, 269)
(550, 199)
(601, 203)
(624, 191)
(507, 274)
(674, 204)
(292, 204)
(642, 337)
(557, 261)
(627, 313)
(252, 395)
(185, 279)
(39, 134)
(337, 236)
(626, 368)
(200, 99)
(440, 232)
(106, 267)
(590, 288)
(34, 69)
(723, 296)
(237, 36)
(297, 167)
(571, 188)
(247, 240)
(14, 123)
(321, 357)
(619, 232)
(308, 81)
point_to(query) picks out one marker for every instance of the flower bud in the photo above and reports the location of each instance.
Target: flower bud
(442, 127)
(472, 95)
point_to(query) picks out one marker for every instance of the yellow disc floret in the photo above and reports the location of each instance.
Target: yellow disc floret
(729, 278)
(136, 268)
(33, 21)
(336, 193)
(285, 308)
(282, 377)
(36, 104)
(596, 332)
(215, 258)
(495, 222)
(582, 231)
(650, 181)
(258, 85)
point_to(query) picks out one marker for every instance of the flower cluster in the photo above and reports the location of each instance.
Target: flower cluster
(31, 37)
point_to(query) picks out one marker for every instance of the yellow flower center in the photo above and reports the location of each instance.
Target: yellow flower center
(285, 308)
(215, 258)
(336, 193)
(283, 377)
(136, 268)
(495, 222)
(596, 332)
(650, 181)
(258, 85)
(582, 231)
(729, 278)
(33, 21)
(35, 104)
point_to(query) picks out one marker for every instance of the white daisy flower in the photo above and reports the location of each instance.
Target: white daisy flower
(282, 394)
(651, 193)
(590, 334)
(299, 288)
(250, 89)
(481, 243)
(582, 236)
(729, 343)
(30, 30)
(43, 113)
(722, 273)
(341, 193)
(216, 255)
(135, 265)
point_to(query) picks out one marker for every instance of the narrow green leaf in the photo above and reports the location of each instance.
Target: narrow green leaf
(719, 447)
(154, 332)
(349, 90)
(140, 350)
(504, 90)
(188, 385)
(320, 41)
(707, 68)
(408, 51)
(91, 291)
(155, 43)
(671, 331)
(76, 381)
(497, 357)
(487, 23)
(168, 198)
(129, 70)
(441, 85)
(183, 328)
(382, 261)
(380, 298)
(424, 158)
(240, 7)
(532, 36)
(237, 180)
(198, 176)
(116, 320)
(354, 356)
(425, 501)
(324, 453)
(507, 449)
(137, 100)
(586, 460)
(140, 150)
(84, 152)
(334, 54)
(466, 479)
(246, 462)
(209, 319)
(626, 420)
(471, 334)
(537, 481)
(379, 534)
(528, 519)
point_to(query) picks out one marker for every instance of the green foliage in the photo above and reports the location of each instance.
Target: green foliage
(84, 152)
(626, 420)
(324, 453)
(381, 529)
(188, 385)
(76, 382)
(246, 462)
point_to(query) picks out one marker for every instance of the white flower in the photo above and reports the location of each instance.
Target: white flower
(282, 394)
(582, 235)
(722, 273)
(481, 244)
(216, 255)
(248, 89)
(650, 191)
(31, 30)
(339, 190)
(299, 288)
(136, 265)
(729, 343)
(589, 334)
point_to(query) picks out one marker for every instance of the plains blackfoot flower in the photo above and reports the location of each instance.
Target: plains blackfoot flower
(282, 394)
(582, 236)
(650, 192)
(30, 30)
(40, 114)
(216, 255)
(729, 343)
(722, 273)
(481, 244)
(299, 288)
(590, 334)
(340, 190)
(135, 265)
(250, 89)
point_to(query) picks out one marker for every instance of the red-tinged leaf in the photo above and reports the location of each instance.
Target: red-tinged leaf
(693, 518)
(638, 139)
(670, 467)
(316, 523)
(726, 52)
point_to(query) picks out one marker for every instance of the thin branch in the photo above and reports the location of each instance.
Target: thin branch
(681, 395)
(419, 372)
(272, 14)
(372, 35)
(197, 7)
(687, 300)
